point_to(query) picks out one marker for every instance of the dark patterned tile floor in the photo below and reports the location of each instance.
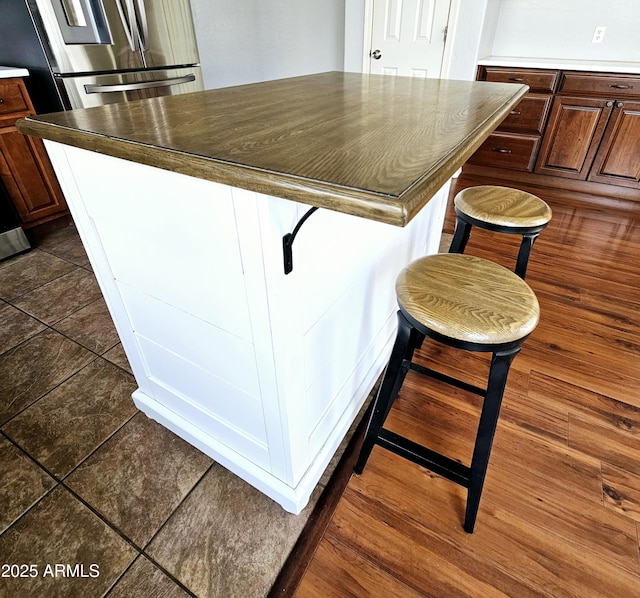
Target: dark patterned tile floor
(97, 499)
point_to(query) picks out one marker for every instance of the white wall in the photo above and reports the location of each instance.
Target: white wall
(564, 29)
(471, 24)
(244, 41)
(354, 36)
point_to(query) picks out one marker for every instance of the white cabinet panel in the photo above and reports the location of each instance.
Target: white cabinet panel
(180, 247)
(223, 437)
(217, 351)
(218, 403)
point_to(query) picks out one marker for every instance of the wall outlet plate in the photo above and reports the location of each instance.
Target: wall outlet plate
(598, 34)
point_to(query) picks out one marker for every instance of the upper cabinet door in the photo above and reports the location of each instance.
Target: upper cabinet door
(618, 159)
(574, 131)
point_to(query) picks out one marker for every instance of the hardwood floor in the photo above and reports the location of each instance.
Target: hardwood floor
(561, 505)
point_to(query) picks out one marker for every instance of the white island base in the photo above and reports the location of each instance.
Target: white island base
(262, 371)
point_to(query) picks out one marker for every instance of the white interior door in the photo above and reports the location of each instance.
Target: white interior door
(408, 37)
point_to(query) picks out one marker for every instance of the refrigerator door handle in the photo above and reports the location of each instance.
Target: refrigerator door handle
(142, 24)
(127, 16)
(96, 88)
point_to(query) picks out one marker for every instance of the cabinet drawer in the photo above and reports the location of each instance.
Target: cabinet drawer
(536, 79)
(529, 116)
(594, 84)
(13, 97)
(505, 150)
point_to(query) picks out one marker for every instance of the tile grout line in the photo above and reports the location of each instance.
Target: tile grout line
(148, 543)
(60, 482)
(17, 297)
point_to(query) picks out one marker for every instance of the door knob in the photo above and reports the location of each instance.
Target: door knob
(376, 54)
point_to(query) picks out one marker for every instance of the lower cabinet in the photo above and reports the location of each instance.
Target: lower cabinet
(573, 130)
(618, 159)
(25, 169)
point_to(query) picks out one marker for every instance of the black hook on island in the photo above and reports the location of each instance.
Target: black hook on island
(287, 241)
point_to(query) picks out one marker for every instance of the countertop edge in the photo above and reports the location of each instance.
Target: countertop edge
(562, 64)
(13, 72)
(448, 166)
(395, 210)
(316, 193)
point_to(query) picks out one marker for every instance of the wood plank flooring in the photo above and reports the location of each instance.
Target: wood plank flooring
(561, 506)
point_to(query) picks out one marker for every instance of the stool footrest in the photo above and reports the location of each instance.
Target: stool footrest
(447, 379)
(416, 453)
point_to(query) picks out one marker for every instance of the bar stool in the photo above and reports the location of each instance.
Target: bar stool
(468, 303)
(503, 210)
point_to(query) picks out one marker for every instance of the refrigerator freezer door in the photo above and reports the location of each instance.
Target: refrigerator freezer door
(88, 36)
(82, 21)
(96, 90)
(166, 31)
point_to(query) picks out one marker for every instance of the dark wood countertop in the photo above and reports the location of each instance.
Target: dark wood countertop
(369, 145)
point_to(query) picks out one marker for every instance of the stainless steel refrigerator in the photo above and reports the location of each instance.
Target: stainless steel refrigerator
(83, 53)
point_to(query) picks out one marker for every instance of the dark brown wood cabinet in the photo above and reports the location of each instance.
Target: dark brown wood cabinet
(573, 130)
(25, 168)
(516, 142)
(617, 159)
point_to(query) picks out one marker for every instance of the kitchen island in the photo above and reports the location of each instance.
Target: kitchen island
(261, 357)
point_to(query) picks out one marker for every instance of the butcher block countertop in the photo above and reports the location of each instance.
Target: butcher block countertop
(373, 146)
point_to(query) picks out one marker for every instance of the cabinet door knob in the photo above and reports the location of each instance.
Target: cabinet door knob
(1, 100)
(609, 104)
(619, 104)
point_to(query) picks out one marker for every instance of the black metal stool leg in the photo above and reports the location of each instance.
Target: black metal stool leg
(394, 375)
(500, 363)
(460, 236)
(523, 255)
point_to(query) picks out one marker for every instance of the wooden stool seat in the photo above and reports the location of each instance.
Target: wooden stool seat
(467, 299)
(502, 206)
(468, 303)
(503, 210)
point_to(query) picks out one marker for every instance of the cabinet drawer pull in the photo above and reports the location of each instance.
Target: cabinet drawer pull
(518, 79)
(501, 150)
(515, 112)
(620, 86)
